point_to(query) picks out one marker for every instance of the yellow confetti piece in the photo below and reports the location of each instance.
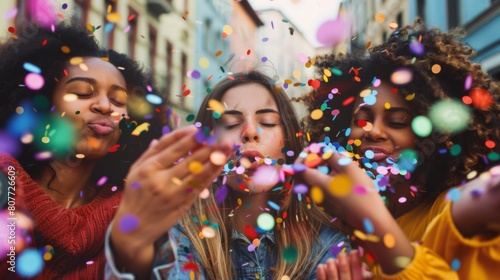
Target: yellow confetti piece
(410, 97)
(176, 181)
(227, 29)
(288, 81)
(76, 60)
(357, 142)
(108, 9)
(372, 238)
(239, 201)
(327, 154)
(204, 62)
(296, 74)
(113, 17)
(279, 220)
(359, 234)
(80, 156)
(317, 194)
(191, 275)
(316, 114)
(365, 92)
(195, 167)
(325, 78)
(45, 140)
(389, 240)
(436, 68)
(219, 52)
(257, 276)
(216, 106)
(139, 129)
(387, 105)
(402, 261)
(393, 25)
(340, 185)
(327, 72)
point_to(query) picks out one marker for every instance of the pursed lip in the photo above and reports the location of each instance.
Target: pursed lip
(380, 153)
(253, 156)
(102, 126)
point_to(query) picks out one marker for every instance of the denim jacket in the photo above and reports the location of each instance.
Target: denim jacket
(176, 258)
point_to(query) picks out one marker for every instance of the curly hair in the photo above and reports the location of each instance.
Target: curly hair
(437, 170)
(50, 51)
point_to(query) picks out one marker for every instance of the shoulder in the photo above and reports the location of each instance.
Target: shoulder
(8, 163)
(332, 237)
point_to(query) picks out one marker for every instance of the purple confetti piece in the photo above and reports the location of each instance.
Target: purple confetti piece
(128, 223)
(335, 250)
(221, 194)
(299, 167)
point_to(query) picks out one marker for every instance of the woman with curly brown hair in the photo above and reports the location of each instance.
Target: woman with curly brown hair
(421, 119)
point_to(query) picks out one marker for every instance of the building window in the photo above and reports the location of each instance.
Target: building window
(206, 35)
(453, 14)
(22, 13)
(399, 19)
(170, 53)
(183, 73)
(81, 10)
(132, 32)
(108, 30)
(152, 48)
(421, 8)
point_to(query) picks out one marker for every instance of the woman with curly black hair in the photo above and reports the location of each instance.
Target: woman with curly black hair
(421, 120)
(71, 128)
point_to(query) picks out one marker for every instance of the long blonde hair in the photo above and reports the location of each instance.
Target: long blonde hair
(302, 218)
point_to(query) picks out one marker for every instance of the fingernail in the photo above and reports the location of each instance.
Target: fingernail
(153, 143)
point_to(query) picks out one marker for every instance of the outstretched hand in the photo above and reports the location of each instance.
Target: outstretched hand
(160, 188)
(346, 267)
(477, 211)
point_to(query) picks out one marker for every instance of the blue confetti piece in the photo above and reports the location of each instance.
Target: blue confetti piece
(32, 68)
(29, 263)
(455, 264)
(273, 205)
(454, 194)
(367, 224)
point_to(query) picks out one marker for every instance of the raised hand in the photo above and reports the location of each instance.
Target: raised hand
(161, 187)
(350, 195)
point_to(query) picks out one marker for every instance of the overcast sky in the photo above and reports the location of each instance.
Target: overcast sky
(306, 15)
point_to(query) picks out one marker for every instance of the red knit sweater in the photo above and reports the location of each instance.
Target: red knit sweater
(77, 235)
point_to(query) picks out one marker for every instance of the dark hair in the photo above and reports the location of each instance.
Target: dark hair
(437, 171)
(51, 51)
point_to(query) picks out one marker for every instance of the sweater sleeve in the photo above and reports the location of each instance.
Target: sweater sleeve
(426, 264)
(474, 258)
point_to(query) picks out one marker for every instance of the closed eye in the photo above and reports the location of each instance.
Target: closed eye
(268, 124)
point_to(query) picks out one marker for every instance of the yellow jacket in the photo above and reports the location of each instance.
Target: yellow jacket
(444, 253)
